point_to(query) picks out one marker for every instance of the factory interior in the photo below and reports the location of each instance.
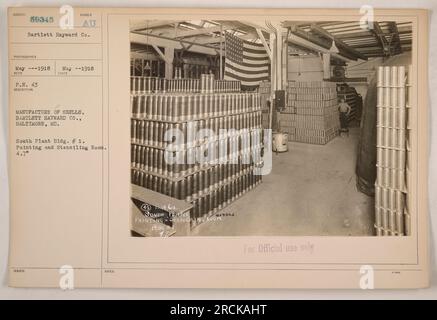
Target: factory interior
(332, 94)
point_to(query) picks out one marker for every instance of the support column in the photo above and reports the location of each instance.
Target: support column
(169, 56)
(221, 52)
(273, 62)
(284, 70)
(273, 71)
(278, 60)
(326, 66)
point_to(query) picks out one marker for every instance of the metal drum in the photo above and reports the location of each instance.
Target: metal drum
(280, 142)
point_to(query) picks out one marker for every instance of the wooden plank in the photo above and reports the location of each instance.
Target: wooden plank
(160, 53)
(159, 200)
(148, 227)
(264, 42)
(178, 208)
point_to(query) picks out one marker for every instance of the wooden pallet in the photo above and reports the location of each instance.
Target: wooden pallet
(146, 204)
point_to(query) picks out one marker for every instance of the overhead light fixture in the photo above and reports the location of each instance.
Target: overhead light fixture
(333, 48)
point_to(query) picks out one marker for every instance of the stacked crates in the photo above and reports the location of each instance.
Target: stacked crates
(311, 113)
(265, 94)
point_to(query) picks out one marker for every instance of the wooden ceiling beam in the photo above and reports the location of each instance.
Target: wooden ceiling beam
(380, 37)
(212, 40)
(396, 39)
(338, 42)
(256, 26)
(363, 34)
(151, 39)
(196, 32)
(308, 44)
(326, 44)
(142, 26)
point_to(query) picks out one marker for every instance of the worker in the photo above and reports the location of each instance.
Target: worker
(344, 110)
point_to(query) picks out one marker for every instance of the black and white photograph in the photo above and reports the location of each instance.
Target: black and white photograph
(219, 148)
(270, 128)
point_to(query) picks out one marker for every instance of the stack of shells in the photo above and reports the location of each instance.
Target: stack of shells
(391, 213)
(233, 157)
(206, 84)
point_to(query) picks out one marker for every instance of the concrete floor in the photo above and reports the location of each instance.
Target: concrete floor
(310, 191)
